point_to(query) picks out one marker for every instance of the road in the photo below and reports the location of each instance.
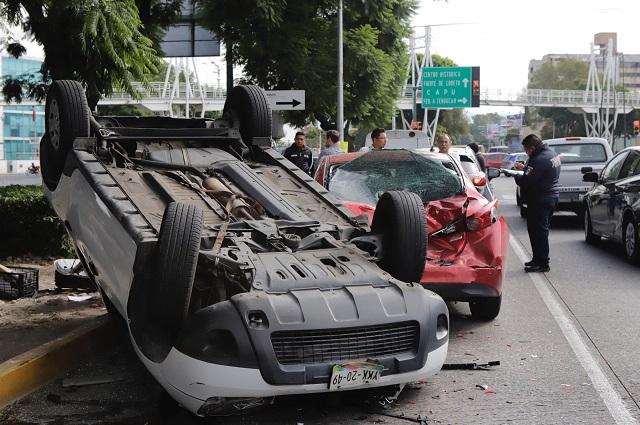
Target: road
(567, 342)
(20, 179)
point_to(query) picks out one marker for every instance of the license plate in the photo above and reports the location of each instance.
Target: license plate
(354, 374)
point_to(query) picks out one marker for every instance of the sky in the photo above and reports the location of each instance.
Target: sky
(501, 36)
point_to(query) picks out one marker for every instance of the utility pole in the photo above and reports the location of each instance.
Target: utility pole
(229, 58)
(340, 118)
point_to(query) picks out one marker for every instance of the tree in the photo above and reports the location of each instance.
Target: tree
(566, 74)
(102, 43)
(478, 127)
(287, 44)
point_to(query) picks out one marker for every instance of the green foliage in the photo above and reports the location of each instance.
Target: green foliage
(478, 126)
(29, 225)
(566, 74)
(124, 110)
(102, 43)
(287, 44)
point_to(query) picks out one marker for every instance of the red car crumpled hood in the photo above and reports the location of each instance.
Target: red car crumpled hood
(462, 256)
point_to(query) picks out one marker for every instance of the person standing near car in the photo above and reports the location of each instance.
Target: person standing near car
(331, 146)
(378, 140)
(476, 151)
(299, 153)
(444, 143)
(540, 190)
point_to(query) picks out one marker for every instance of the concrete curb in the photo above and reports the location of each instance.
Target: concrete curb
(28, 371)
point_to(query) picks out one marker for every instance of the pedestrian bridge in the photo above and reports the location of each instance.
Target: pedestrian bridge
(156, 97)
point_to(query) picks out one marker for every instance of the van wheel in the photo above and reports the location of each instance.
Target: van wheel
(66, 117)
(247, 109)
(400, 218)
(176, 260)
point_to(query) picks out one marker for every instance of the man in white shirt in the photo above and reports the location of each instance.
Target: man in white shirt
(378, 140)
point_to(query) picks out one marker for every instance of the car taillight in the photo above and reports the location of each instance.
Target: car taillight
(483, 218)
(479, 181)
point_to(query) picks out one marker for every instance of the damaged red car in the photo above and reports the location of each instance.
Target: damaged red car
(467, 240)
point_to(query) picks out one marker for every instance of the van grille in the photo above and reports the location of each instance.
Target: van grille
(333, 345)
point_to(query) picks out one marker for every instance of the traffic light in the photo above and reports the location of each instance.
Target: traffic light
(416, 125)
(636, 127)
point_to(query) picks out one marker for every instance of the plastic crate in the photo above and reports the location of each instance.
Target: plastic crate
(21, 282)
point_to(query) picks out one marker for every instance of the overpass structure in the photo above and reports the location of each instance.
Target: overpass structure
(153, 97)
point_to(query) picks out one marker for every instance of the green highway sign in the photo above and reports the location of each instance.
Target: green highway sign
(450, 87)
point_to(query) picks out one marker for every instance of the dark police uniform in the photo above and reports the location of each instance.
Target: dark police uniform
(539, 189)
(302, 157)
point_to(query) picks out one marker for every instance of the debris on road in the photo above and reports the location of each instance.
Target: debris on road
(470, 366)
(82, 382)
(79, 298)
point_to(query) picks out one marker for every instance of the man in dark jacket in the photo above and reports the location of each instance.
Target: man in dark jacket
(476, 151)
(299, 153)
(539, 189)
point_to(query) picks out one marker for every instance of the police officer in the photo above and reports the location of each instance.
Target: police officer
(539, 189)
(299, 153)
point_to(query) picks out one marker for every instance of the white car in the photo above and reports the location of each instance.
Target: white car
(467, 160)
(238, 276)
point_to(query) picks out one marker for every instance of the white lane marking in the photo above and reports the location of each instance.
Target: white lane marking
(609, 395)
(510, 197)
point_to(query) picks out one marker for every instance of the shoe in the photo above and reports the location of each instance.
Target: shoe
(536, 268)
(529, 263)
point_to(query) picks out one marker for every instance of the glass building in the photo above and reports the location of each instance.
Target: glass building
(21, 126)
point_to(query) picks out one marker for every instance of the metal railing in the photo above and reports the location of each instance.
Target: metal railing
(154, 94)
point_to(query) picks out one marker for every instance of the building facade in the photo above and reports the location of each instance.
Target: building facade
(21, 127)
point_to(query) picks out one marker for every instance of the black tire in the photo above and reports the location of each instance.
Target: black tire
(485, 308)
(523, 211)
(589, 237)
(631, 240)
(400, 218)
(176, 260)
(66, 117)
(247, 109)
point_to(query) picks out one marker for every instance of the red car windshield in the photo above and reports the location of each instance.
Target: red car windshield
(367, 177)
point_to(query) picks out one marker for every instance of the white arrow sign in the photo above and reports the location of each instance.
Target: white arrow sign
(463, 100)
(285, 100)
(465, 82)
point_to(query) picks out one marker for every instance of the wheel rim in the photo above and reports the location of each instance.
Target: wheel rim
(53, 121)
(630, 239)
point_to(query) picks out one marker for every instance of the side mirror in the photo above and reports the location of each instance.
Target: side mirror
(589, 176)
(492, 173)
(585, 170)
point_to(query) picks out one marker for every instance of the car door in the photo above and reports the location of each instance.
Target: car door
(601, 209)
(618, 196)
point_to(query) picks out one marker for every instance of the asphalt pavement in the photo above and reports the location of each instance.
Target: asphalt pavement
(567, 342)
